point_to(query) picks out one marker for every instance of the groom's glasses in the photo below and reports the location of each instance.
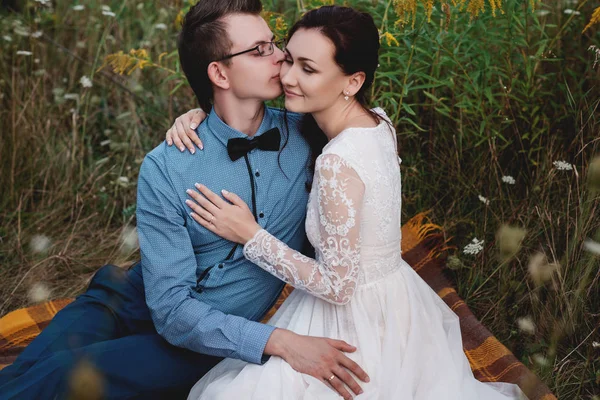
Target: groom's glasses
(263, 49)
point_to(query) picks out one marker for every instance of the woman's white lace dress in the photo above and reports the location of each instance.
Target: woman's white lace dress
(359, 290)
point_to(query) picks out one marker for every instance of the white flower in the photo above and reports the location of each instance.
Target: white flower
(484, 200)
(568, 11)
(592, 246)
(105, 8)
(40, 243)
(7, 38)
(508, 179)
(540, 360)
(71, 96)
(474, 247)
(129, 239)
(108, 13)
(123, 181)
(21, 31)
(542, 13)
(526, 325)
(596, 345)
(563, 166)
(79, 7)
(38, 292)
(37, 34)
(161, 27)
(540, 270)
(24, 53)
(86, 82)
(43, 2)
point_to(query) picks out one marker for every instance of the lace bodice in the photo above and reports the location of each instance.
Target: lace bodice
(353, 218)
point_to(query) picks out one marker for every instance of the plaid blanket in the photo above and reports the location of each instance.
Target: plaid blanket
(422, 248)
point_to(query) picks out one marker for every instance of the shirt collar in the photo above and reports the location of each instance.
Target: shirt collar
(224, 132)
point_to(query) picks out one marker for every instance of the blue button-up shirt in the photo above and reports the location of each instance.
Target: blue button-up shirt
(199, 299)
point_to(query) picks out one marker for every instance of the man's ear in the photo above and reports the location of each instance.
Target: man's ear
(218, 75)
(355, 82)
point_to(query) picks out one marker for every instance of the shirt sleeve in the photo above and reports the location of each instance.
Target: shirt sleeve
(169, 273)
(333, 276)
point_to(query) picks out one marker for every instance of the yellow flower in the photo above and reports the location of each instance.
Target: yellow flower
(389, 39)
(594, 20)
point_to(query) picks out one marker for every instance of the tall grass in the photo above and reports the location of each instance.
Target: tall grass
(476, 101)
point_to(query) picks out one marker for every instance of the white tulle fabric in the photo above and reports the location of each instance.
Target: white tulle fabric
(359, 289)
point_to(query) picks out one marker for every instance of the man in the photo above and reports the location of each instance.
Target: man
(203, 297)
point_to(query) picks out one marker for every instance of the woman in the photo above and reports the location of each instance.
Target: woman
(359, 288)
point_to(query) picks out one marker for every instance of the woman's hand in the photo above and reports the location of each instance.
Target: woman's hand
(232, 221)
(183, 132)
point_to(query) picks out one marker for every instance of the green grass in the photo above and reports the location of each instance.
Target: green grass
(472, 100)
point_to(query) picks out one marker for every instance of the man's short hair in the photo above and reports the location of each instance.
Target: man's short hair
(204, 39)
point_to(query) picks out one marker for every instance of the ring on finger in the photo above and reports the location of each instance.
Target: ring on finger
(331, 378)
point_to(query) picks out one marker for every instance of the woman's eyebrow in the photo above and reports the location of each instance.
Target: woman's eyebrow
(299, 58)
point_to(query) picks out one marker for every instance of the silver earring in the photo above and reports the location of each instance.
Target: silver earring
(346, 96)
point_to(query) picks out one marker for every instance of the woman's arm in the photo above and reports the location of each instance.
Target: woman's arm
(334, 275)
(183, 132)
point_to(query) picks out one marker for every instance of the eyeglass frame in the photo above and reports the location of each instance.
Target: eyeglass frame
(273, 43)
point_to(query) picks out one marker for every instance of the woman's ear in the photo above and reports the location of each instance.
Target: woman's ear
(355, 82)
(218, 75)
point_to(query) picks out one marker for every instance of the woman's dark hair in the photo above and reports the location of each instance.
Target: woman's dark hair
(204, 39)
(356, 41)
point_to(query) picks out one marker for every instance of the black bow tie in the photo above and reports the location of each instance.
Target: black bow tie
(268, 141)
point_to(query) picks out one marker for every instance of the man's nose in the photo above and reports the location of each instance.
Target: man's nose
(279, 54)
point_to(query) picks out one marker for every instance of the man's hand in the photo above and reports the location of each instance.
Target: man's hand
(321, 358)
(183, 132)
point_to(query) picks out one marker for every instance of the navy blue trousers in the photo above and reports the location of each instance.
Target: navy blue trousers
(110, 327)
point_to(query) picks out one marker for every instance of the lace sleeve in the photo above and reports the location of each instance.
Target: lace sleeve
(334, 275)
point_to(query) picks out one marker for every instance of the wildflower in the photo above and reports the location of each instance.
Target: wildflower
(591, 246)
(71, 96)
(542, 13)
(568, 11)
(43, 2)
(123, 181)
(390, 39)
(161, 27)
(85, 382)
(24, 53)
(21, 31)
(508, 179)
(594, 174)
(474, 248)
(540, 270)
(109, 13)
(129, 239)
(38, 292)
(509, 240)
(7, 38)
(105, 8)
(526, 325)
(596, 345)
(594, 20)
(541, 360)
(37, 34)
(563, 166)
(78, 7)
(484, 200)
(85, 82)
(40, 243)
(36, 60)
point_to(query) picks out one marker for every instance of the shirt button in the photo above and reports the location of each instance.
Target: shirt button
(257, 174)
(261, 215)
(221, 266)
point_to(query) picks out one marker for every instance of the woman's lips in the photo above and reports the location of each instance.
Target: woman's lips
(291, 94)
